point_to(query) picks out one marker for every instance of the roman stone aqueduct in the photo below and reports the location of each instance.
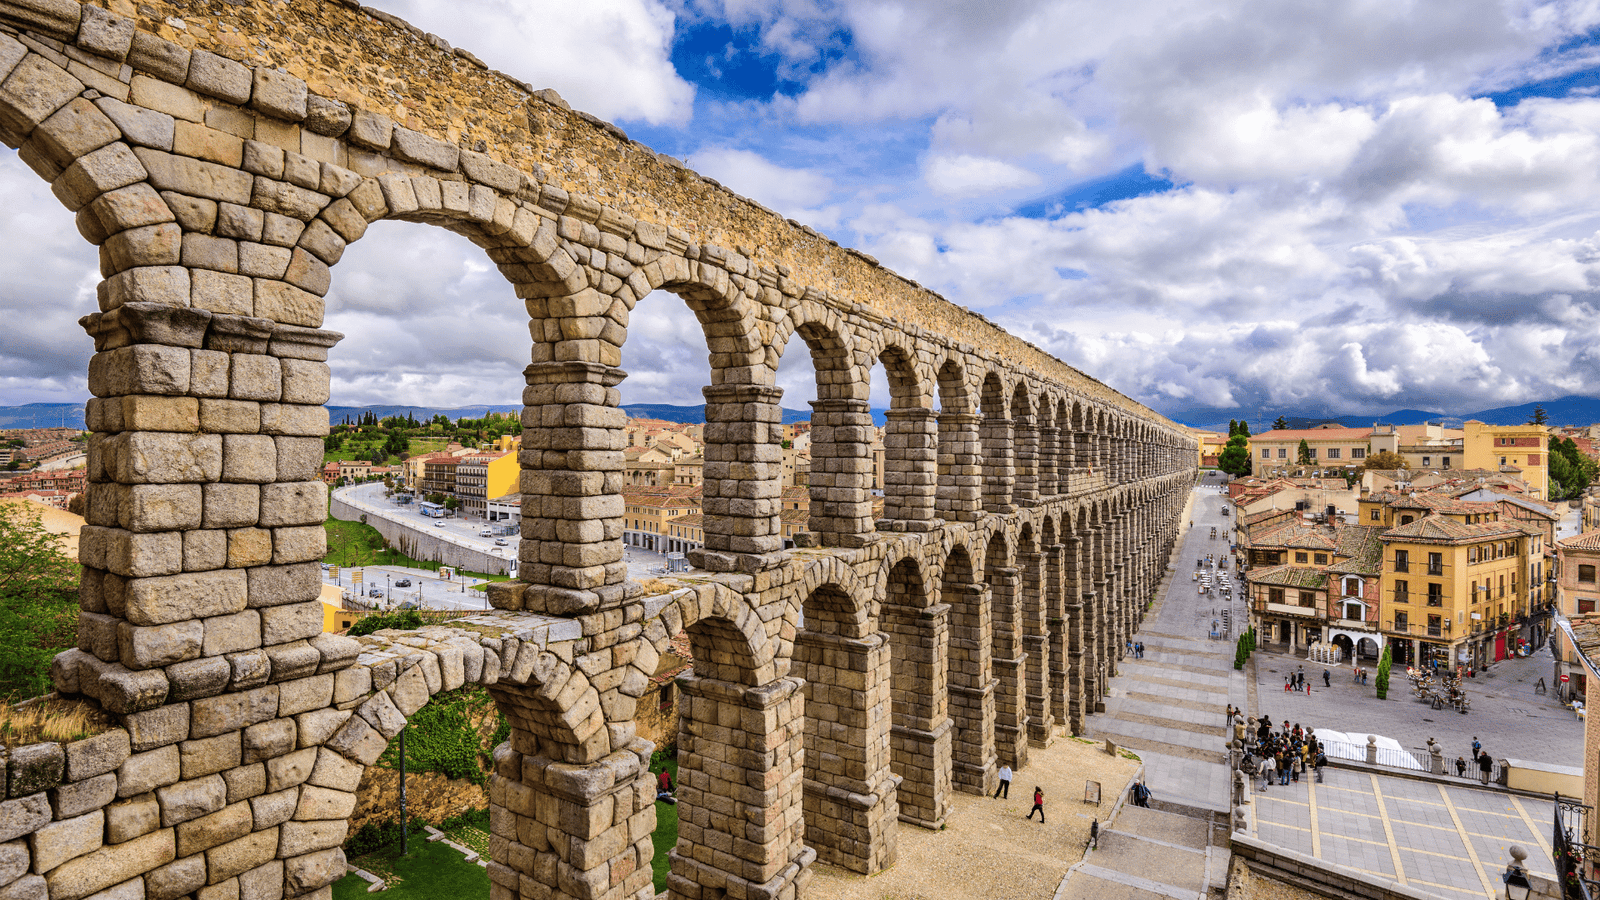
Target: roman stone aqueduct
(222, 155)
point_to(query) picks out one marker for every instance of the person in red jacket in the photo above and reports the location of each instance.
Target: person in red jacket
(1038, 804)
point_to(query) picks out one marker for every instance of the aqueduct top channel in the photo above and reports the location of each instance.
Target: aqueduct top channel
(222, 155)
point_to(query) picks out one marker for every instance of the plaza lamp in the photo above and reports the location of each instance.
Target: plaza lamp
(1516, 877)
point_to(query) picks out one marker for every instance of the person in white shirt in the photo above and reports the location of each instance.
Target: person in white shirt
(1004, 790)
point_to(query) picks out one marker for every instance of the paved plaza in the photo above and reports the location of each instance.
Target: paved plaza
(1448, 839)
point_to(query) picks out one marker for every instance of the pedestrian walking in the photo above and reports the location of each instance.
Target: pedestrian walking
(1038, 804)
(1476, 747)
(1141, 795)
(1485, 764)
(1322, 760)
(1461, 767)
(1327, 678)
(1288, 684)
(1141, 649)
(1004, 790)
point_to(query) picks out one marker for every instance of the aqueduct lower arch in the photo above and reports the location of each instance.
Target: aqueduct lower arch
(222, 179)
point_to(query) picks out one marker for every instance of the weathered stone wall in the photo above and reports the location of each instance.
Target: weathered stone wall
(222, 157)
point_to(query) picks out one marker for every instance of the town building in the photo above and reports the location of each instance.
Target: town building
(647, 513)
(1522, 450)
(482, 476)
(1577, 594)
(1309, 582)
(1328, 445)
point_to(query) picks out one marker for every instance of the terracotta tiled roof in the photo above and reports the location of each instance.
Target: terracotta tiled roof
(1435, 528)
(1362, 546)
(1291, 576)
(1589, 540)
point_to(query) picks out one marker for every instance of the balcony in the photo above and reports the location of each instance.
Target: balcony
(1353, 624)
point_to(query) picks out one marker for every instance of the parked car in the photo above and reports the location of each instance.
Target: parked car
(375, 592)
(404, 582)
(487, 532)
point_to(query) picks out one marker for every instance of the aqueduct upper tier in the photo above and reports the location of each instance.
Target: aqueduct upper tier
(222, 156)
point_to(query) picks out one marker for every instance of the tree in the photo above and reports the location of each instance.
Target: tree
(1280, 424)
(1383, 675)
(1539, 417)
(38, 602)
(1303, 455)
(452, 504)
(1244, 428)
(1384, 460)
(1233, 427)
(1571, 472)
(1235, 457)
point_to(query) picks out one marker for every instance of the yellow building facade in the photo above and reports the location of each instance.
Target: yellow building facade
(1454, 592)
(1523, 448)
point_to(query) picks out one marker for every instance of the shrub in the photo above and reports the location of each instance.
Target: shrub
(1383, 675)
(404, 619)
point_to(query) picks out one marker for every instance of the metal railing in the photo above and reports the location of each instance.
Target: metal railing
(1387, 756)
(1575, 860)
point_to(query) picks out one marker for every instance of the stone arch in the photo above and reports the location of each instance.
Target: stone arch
(910, 466)
(1003, 578)
(960, 474)
(841, 461)
(970, 666)
(996, 436)
(917, 628)
(1025, 445)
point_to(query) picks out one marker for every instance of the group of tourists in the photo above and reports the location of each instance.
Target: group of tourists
(1284, 754)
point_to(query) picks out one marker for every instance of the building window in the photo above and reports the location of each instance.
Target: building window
(1427, 461)
(1311, 452)
(1322, 559)
(1283, 452)
(1401, 622)
(1586, 574)
(1435, 564)
(1407, 520)
(1274, 595)
(1299, 557)
(1445, 463)
(1435, 594)
(1352, 587)
(1308, 599)
(1374, 515)
(1358, 453)
(1266, 453)
(1353, 611)
(1402, 592)
(1585, 604)
(1433, 626)
(1402, 561)
(1333, 452)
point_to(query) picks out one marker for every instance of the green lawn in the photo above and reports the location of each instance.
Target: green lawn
(430, 871)
(666, 833)
(359, 544)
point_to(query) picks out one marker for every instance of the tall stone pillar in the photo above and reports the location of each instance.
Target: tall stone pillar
(1052, 479)
(741, 753)
(559, 829)
(1010, 662)
(999, 473)
(203, 538)
(743, 484)
(960, 492)
(1056, 623)
(572, 443)
(920, 736)
(911, 469)
(1033, 618)
(1083, 459)
(851, 812)
(1025, 443)
(972, 687)
(841, 473)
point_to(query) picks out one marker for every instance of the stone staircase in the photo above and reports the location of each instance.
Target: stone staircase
(1166, 851)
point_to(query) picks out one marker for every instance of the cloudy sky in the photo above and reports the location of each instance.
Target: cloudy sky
(1212, 205)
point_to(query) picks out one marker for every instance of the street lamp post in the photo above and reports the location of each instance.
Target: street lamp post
(1516, 877)
(386, 600)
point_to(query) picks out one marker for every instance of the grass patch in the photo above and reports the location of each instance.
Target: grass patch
(666, 833)
(428, 872)
(51, 720)
(359, 544)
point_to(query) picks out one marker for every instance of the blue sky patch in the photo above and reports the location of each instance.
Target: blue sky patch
(1131, 182)
(730, 64)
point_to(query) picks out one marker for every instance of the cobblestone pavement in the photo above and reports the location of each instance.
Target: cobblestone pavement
(1447, 840)
(1508, 717)
(1169, 706)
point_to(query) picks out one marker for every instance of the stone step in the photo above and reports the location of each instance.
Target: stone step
(1166, 827)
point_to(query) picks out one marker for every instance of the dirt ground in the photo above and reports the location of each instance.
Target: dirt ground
(988, 849)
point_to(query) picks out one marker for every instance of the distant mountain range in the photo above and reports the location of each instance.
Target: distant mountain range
(1569, 411)
(1563, 411)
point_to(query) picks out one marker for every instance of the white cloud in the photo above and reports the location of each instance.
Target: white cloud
(963, 175)
(791, 192)
(610, 58)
